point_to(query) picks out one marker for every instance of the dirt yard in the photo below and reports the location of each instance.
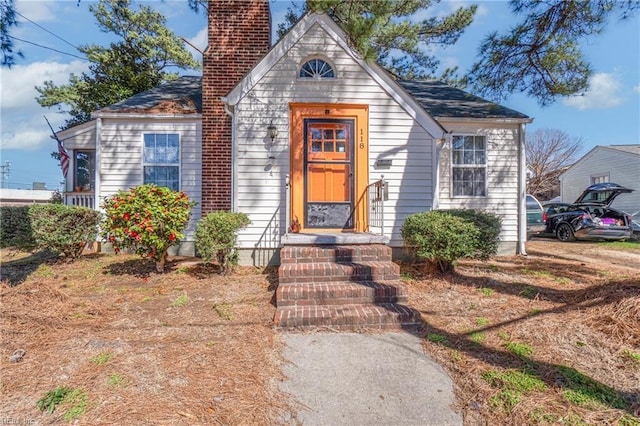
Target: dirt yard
(551, 338)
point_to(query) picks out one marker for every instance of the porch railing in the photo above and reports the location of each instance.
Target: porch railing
(287, 202)
(80, 199)
(377, 193)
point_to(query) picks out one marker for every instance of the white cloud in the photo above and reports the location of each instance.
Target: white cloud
(603, 93)
(637, 89)
(38, 11)
(200, 41)
(18, 82)
(23, 127)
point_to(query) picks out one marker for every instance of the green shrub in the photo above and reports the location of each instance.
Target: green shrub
(15, 227)
(147, 219)
(63, 229)
(489, 226)
(216, 236)
(440, 237)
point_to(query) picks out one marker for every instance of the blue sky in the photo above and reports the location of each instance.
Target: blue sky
(608, 113)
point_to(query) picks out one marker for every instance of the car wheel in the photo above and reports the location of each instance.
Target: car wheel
(564, 232)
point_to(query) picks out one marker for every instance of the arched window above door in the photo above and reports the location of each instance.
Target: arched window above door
(316, 68)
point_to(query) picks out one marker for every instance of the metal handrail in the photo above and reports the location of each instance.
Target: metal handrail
(377, 193)
(287, 215)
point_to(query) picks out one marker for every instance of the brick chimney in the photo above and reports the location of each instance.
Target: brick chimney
(239, 36)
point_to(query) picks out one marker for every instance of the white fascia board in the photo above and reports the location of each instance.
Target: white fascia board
(271, 58)
(335, 32)
(160, 116)
(76, 130)
(486, 120)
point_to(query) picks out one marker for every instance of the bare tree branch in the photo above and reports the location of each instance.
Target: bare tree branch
(549, 153)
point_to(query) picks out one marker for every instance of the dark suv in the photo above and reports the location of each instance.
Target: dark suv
(590, 217)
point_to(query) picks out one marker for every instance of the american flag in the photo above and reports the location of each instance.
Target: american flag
(64, 156)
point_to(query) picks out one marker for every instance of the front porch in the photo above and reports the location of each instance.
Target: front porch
(340, 281)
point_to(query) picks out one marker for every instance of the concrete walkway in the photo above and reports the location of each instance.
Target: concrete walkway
(366, 379)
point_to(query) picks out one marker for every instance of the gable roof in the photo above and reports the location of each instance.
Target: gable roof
(180, 96)
(630, 149)
(425, 101)
(375, 71)
(441, 100)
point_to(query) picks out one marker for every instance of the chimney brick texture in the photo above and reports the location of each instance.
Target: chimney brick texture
(239, 36)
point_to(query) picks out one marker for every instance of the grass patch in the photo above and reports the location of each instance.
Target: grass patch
(487, 291)
(44, 271)
(629, 420)
(528, 292)
(102, 358)
(514, 385)
(540, 415)
(478, 337)
(180, 301)
(521, 350)
(224, 310)
(622, 245)
(632, 355)
(436, 338)
(74, 400)
(582, 390)
(117, 380)
(563, 280)
(456, 356)
(537, 273)
(482, 321)
(408, 276)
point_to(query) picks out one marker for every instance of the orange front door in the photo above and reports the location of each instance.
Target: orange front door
(329, 167)
(328, 173)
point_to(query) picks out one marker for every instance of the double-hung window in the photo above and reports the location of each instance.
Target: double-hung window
(599, 179)
(469, 166)
(161, 159)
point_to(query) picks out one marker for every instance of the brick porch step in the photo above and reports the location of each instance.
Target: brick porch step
(335, 253)
(385, 316)
(317, 272)
(341, 292)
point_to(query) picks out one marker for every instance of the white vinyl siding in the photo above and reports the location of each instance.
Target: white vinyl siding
(620, 166)
(121, 159)
(261, 167)
(502, 174)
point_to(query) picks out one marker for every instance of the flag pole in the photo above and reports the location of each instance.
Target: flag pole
(65, 160)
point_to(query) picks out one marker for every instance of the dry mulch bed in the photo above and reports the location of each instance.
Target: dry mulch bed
(571, 323)
(192, 347)
(185, 347)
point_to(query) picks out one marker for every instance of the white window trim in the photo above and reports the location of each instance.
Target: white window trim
(178, 164)
(316, 79)
(599, 175)
(486, 166)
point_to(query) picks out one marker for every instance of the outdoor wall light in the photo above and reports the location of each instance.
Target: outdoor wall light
(272, 131)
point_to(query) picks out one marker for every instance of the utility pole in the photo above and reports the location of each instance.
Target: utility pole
(5, 171)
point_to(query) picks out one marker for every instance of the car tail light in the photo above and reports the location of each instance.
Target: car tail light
(544, 216)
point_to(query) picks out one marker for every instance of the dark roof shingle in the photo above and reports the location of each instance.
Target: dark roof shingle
(438, 99)
(181, 95)
(441, 100)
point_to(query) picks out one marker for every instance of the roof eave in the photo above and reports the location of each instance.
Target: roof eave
(503, 120)
(152, 116)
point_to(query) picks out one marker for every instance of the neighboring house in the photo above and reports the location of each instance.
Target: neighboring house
(611, 163)
(24, 197)
(298, 136)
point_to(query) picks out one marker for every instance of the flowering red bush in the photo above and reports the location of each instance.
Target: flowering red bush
(147, 219)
